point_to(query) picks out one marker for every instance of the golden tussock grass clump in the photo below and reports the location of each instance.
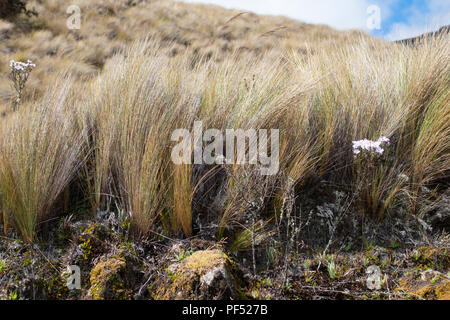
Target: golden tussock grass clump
(41, 151)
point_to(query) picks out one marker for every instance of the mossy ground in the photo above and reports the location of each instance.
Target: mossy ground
(114, 266)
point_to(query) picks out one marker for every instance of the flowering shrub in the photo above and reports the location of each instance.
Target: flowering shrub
(19, 73)
(375, 183)
(370, 146)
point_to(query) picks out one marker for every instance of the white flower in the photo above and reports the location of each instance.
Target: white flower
(369, 145)
(22, 66)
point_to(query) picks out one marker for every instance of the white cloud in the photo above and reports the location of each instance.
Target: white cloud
(342, 14)
(399, 31)
(419, 21)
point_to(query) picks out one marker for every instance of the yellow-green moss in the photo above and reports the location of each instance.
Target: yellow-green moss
(425, 290)
(3, 266)
(443, 291)
(106, 273)
(202, 261)
(436, 258)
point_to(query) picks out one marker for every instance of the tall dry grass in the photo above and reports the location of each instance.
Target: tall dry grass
(399, 92)
(320, 102)
(135, 107)
(41, 149)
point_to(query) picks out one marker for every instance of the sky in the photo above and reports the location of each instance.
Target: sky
(388, 19)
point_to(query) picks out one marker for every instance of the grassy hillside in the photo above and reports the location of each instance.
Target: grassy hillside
(92, 131)
(109, 26)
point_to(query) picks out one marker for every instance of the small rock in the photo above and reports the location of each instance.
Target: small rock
(216, 275)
